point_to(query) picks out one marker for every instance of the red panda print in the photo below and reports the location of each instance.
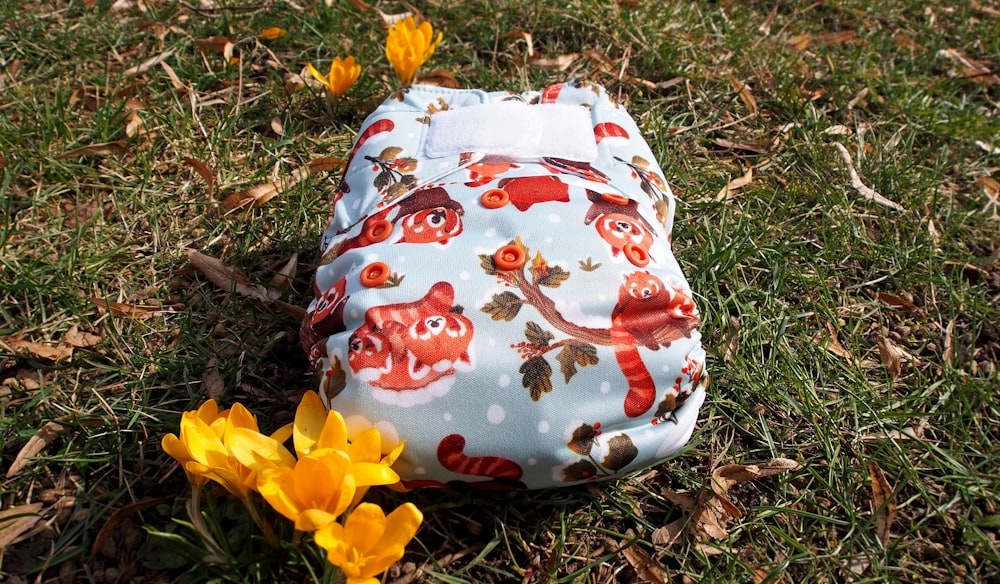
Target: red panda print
(485, 172)
(646, 311)
(581, 169)
(617, 224)
(429, 215)
(410, 345)
(529, 190)
(327, 317)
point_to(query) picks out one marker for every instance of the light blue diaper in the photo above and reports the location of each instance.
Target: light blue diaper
(497, 288)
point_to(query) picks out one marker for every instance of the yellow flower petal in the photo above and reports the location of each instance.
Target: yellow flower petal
(257, 451)
(366, 446)
(369, 542)
(408, 47)
(316, 74)
(310, 416)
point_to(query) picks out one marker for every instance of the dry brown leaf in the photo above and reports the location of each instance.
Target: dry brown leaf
(970, 68)
(900, 303)
(296, 312)
(260, 194)
(361, 5)
(645, 567)
(325, 164)
(557, 63)
(670, 533)
(837, 38)
(57, 353)
(882, 504)
(204, 172)
(277, 127)
(987, 148)
(175, 81)
(283, 279)
(730, 475)
(832, 344)
(524, 36)
(736, 184)
(440, 78)
(15, 521)
(990, 185)
(756, 148)
(213, 384)
(116, 518)
(45, 435)
(217, 43)
(905, 41)
(800, 42)
(227, 278)
(892, 356)
(80, 340)
(293, 83)
(136, 311)
(133, 124)
(863, 189)
(745, 95)
(104, 149)
(148, 64)
(254, 196)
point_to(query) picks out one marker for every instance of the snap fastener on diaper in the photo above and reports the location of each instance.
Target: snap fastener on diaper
(615, 198)
(509, 257)
(636, 254)
(378, 230)
(375, 274)
(495, 198)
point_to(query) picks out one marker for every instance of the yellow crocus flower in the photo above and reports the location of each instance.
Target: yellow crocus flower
(316, 428)
(408, 46)
(342, 76)
(369, 541)
(315, 492)
(202, 451)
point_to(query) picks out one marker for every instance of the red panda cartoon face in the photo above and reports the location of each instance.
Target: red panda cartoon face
(435, 225)
(641, 285)
(441, 340)
(619, 230)
(369, 354)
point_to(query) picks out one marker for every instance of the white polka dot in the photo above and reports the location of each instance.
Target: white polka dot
(371, 257)
(543, 427)
(420, 470)
(444, 164)
(504, 380)
(496, 414)
(605, 387)
(532, 461)
(411, 135)
(548, 240)
(356, 203)
(492, 342)
(447, 416)
(464, 276)
(554, 218)
(401, 259)
(491, 232)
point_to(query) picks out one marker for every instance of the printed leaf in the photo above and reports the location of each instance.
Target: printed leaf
(537, 376)
(553, 278)
(504, 306)
(389, 153)
(574, 355)
(382, 179)
(582, 440)
(640, 161)
(536, 335)
(579, 471)
(589, 265)
(406, 165)
(488, 264)
(334, 381)
(621, 451)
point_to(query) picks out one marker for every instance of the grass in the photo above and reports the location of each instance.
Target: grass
(782, 267)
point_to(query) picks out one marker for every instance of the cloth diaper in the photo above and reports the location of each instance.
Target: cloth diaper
(497, 288)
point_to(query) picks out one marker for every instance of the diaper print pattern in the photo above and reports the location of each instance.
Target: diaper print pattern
(543, 337)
